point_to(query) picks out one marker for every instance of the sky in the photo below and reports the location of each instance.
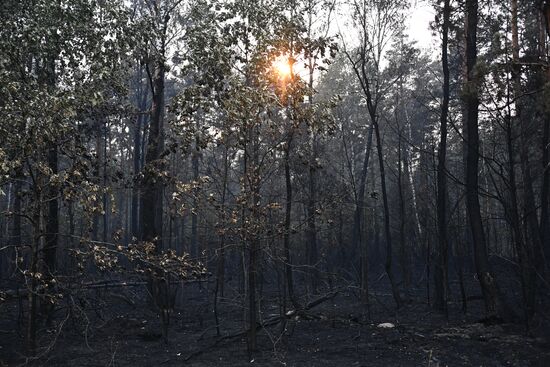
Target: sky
(419, 23)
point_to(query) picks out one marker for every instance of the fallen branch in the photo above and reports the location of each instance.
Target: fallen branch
(22, 292)
(268, 322)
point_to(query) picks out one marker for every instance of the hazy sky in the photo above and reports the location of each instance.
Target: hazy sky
(419, 23)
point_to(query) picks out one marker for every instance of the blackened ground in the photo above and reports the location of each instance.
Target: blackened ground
(117, 328)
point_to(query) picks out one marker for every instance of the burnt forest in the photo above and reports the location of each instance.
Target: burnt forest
(301, 183)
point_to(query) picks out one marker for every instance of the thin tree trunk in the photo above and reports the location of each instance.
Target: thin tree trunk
(357, 238)
(106, 208)
(545, 190)
(441, 273)
(194, 217)
(137, 154)
(287, 228)
(387, 224)
(403, 261)
(526, 250)
(311, 211)
(16, 238)
(220, 276)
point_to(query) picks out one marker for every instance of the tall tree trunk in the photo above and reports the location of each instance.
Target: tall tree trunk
(357, 239)
(106, 209)
(97, 177)
(471, 100)
(403, 260)
(142, 96)
(311, 213)
(528, 250)
(38, 241)
(52, 219)
(441, 272)
(194, 218)
(16, 238)
(512, 213)
(220, 272)
(387, 224)
(152, 195)
(545, 191)
(251, 173)
(52, 222)
(287, 228)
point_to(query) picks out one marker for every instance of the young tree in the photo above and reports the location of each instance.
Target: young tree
(377, 24)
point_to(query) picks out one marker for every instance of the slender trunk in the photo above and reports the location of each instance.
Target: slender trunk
(512, 213)
(387, 224)
(137, 154)
(545, 191)
(441, 270)
(220, 276)
(97, 179)
(15, 239)
(104, 184)
(252, 176)
(357, 238)
(72, 233)
(37, 243)
(526, 251)
(52, 219)
(194, 217)
(311, 212)
(287, 229)
(311, 226)
(403, 261)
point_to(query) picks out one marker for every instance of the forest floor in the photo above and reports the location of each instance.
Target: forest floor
(337, 332)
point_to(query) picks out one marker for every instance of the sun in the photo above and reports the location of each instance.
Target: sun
(282, 66)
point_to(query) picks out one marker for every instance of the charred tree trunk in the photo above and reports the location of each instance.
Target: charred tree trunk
(151, 207)
(152, 187)
(287, 228)
(194, 218)
(485, 273)
(525, 249)
(311, 226)
(220, 271)
(357, 239)
(142, 96)
(105, 199)
(387, 224)
(16, 238)
(250, 237)
(52, 215)
(441, 272)
(403, 260)
(545, 190)
(52, 221)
